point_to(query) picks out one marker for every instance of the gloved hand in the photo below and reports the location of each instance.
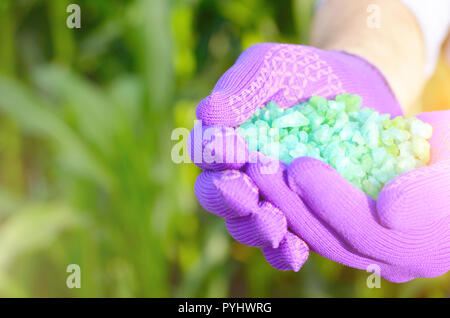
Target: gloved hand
(266, 209)
(406, 231)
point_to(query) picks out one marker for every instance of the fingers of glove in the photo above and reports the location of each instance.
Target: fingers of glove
(228, 194)
(420, 197)
(283, 73)
(352, 214)
(266, 226)
(319, 236)
(440, 140)
(290, 255)
(269, 176)
(416, 199)
(232, 195)
(217, 147)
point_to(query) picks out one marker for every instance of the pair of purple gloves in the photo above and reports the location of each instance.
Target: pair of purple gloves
(288, 209)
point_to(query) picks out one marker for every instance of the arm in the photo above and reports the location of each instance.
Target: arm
(396, 47)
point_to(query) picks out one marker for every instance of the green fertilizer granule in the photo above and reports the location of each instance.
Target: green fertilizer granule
(365, 147)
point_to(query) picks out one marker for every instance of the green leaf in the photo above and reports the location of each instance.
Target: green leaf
(37, 118)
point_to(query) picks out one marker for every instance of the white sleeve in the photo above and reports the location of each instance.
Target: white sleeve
(433, 17)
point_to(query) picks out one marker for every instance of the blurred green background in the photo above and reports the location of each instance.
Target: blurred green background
(86, 175)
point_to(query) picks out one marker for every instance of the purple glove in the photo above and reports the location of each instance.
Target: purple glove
(287, 74)
(406, 231)
(268, 210)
